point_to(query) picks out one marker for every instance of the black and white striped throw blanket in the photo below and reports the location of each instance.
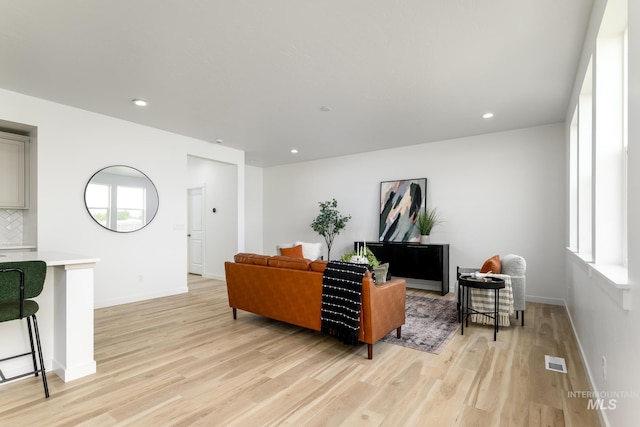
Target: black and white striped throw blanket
(341, 300)
(484, 300)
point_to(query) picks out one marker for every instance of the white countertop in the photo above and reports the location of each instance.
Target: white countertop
(51, 258)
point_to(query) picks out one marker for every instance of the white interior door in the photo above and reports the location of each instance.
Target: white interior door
(195, 230)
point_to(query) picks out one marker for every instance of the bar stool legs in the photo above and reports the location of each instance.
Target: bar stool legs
(20, 282)
(32, 329)
(41, 370)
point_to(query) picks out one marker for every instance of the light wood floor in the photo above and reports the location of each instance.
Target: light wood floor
(182, 360)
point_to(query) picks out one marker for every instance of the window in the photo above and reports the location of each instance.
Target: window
(611, 141)
(123, 206)
(625, 138)
(131, 203)
(98, 203)
(585, 168)
(573, 182)
(598, 148)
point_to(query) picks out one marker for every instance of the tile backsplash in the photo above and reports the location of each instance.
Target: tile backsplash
(11, 227)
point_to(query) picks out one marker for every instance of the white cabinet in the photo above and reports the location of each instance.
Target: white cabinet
(14, 171)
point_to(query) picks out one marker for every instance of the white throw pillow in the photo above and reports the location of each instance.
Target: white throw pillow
(312, 251)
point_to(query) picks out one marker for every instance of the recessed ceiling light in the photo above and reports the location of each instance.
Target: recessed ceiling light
(294, 151)
(219, 141)
(487, 115)
(139, 102)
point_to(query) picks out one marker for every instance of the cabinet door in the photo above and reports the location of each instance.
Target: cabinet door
(430, 260)
(417, 261)
(12, 173)
(380, 251)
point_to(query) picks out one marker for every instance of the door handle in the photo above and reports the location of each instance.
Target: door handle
(188, 235)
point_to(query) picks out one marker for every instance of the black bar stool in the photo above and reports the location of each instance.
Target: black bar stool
(19, 283)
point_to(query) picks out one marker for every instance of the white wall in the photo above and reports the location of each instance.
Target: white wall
(72, 145)
(220, 183)
(498, 193)
(602, 325)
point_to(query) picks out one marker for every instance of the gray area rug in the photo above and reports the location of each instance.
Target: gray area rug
(430, 324)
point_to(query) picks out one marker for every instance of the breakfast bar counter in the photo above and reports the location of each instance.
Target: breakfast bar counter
(65, 317)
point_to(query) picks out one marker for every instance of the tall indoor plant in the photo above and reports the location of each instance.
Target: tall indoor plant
(426, 221)
(329, 223)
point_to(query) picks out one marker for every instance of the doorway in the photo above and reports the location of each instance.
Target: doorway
(195, 230)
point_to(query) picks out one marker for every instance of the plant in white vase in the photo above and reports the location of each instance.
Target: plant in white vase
(425, 223)
(362, 253)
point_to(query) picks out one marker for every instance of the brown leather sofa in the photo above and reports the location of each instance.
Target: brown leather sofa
(290, 290)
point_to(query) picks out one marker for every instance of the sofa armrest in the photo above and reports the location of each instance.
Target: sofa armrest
(383, 308)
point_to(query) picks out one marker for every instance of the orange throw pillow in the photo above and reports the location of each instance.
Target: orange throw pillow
(294, 252)
(491, 265)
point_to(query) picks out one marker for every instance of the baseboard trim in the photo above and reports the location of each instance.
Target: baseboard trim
(70, 373)
(543, 300)
(214, 276)
(601, 414)
(140, 297)
(427, 285)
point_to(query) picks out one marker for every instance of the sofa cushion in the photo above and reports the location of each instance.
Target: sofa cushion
(293, 252)
(289, 262)
(254, 259)
(513, 265)
(318, 265)
(492, 265)
(311, 251)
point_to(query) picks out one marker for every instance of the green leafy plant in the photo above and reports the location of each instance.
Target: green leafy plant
(329, 223)
(427, 220)
(371, 258)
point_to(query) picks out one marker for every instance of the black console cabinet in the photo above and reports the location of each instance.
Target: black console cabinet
(413, 260)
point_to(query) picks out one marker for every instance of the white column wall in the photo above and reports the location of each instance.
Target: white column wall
(255, 210)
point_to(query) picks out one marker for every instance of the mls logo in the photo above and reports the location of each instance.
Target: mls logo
(602, 404)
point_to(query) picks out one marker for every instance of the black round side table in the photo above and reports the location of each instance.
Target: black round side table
(488, 283)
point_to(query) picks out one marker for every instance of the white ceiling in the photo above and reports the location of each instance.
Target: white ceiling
(255, 74)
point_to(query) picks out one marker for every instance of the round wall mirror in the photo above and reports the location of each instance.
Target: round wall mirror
(121, 199)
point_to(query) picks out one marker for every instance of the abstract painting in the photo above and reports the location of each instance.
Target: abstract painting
(400, 204)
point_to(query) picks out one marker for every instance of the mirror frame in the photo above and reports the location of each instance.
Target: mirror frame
(142, 175)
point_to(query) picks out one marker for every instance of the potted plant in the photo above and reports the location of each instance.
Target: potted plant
(329, 223)
(371, 258)
(426, 221)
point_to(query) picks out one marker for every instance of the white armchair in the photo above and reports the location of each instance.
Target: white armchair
(514, 266)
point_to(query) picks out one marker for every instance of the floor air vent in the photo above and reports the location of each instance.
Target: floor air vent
(557, 364)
